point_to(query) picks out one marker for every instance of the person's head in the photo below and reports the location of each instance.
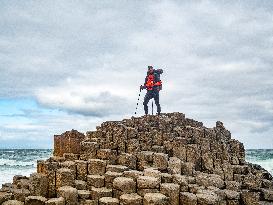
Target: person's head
(150, 69)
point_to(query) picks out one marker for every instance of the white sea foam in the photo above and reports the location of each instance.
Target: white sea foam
(6, 175)
(16, 162)
(9, 151)
(19, 162)
(11, 162)
(266, 164)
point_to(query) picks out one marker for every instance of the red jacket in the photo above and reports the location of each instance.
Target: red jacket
(152, 81)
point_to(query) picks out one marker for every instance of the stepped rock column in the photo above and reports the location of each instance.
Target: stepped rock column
(123, 185)
(68, 142)
(155, 199)
(64, 177)
(69, 193)
(38, 185)
(35, 200)
(171, 190)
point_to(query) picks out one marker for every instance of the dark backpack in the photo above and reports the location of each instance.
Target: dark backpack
(159, 72)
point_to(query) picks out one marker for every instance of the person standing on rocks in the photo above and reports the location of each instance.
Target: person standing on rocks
(153, 85)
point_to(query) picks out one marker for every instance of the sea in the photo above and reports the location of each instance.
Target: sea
(20, 162)
(24, 161)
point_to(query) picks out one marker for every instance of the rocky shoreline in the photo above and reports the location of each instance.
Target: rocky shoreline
(150, 160)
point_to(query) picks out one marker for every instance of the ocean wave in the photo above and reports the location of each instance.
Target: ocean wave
(20, 162)
(259, 154)
(15, 163)
(266, 164)
(9, 151)
(6, 174)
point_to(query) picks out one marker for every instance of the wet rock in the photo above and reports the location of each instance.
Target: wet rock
(20, 194)
(268, 194)
(267, 183)
(23, 184)
(4, 196)
(7, 187)
(18, 178)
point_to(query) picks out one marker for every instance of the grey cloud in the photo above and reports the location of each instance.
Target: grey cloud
(217, 58)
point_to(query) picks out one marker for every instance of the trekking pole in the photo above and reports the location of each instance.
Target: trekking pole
(152, 107)
(137, 101)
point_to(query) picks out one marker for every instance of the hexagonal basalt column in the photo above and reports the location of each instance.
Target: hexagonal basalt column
(155, 199)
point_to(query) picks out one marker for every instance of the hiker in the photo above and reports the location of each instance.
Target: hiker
(153, 85)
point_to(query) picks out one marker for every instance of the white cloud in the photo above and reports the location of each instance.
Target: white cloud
(88, 58)
(84, 99)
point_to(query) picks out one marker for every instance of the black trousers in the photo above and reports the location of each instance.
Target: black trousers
(149, 95)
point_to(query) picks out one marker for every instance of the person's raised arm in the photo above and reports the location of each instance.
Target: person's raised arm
(144, 86)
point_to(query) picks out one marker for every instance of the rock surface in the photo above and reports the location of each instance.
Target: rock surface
(56, 201)
(166, 159)
(13, 202)
(35, 200)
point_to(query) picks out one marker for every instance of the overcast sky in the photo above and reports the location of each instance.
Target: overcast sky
(74, 64)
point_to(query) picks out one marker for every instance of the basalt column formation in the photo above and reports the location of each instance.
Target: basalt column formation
(150, 160)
